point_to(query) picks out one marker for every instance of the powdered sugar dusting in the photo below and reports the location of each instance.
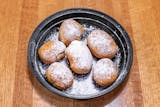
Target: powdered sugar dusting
(104, 68)
(43, 67)
(60, 73)
(87, 30)
(101, 41)
(56, 48)
(82, 57)
(49, 55)
(82, 85)
(71, 28)
(54, 35)
(117, 59)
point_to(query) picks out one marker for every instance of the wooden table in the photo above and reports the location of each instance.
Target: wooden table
(18, 19)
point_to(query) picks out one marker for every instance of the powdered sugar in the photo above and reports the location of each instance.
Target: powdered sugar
(101, 41)
(43, 67)
(58, 47)
(87, 30)
(82, 85)
(54, 36)
(49, 55)
(117, 59)
(104, 68)
(52, 52)
(71, 28)
(60, 73)
(82, 57)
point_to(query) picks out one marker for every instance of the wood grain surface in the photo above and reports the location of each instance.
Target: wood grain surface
(18, 19)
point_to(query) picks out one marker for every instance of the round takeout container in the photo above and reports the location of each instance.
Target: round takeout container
(90, 17)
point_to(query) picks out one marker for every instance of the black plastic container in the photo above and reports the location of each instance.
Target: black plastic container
(91, 17)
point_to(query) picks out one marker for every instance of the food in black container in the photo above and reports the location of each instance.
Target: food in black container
(83, 86)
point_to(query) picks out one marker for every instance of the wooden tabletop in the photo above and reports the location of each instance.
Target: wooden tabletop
(18, 19)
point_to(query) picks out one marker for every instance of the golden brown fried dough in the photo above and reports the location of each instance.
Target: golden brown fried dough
(101, 44)
(104, 72)
(79, 57)
(51, 51)
(70, 30)
(59, 75)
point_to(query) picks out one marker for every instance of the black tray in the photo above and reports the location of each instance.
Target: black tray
(91, 17)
